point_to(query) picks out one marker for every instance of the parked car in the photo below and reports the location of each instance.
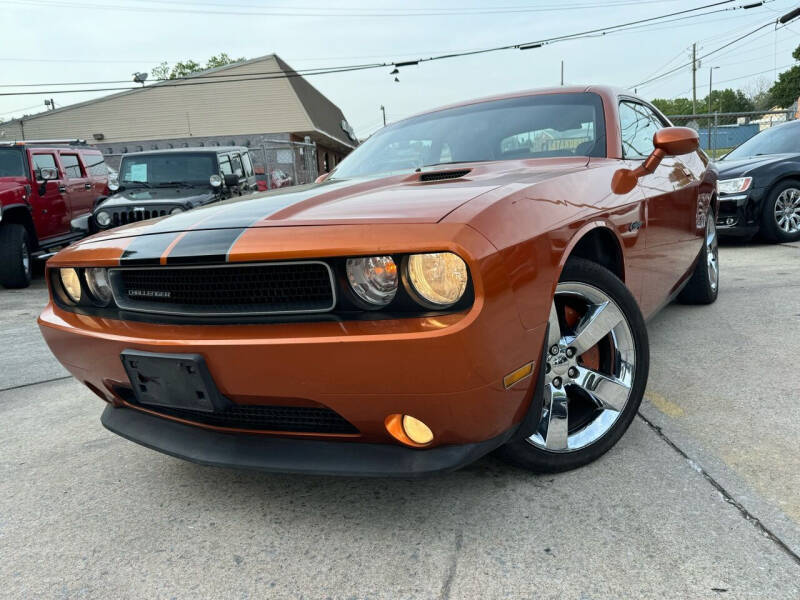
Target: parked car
(405, 316)
(759, 186)
(166, 182)
(48, 189)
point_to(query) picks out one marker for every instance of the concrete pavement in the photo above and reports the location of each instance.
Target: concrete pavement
(698, 500)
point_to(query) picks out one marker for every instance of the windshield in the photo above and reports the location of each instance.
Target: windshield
(12, 163)
(163, 169)
(538, 126)
(778, 140)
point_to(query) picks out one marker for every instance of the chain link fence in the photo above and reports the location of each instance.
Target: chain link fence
(721, 132)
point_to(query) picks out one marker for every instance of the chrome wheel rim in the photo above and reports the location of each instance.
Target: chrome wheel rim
(601, 394)
(712, 253)
(26, 258)
(787, 210)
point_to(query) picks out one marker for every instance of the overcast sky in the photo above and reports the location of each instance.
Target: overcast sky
(50, 41)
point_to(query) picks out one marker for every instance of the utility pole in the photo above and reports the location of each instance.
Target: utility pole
(694, 79)
(383, 110)
(562, 72)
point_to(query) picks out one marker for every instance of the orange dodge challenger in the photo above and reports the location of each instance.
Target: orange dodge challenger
(472, 279)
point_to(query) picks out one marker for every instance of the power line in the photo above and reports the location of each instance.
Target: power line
(737, 78)
(652, 79)
(304, 12)
(330, 70)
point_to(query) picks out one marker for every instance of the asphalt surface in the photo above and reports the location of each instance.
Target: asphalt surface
(698, 500)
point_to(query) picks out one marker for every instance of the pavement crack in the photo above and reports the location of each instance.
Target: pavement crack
(746, 514)
(451, 570)
(24, 385)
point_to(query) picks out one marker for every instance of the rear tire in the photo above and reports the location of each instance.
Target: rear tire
(703, 286)
(595, 372)
(15, 256)
(780, 216)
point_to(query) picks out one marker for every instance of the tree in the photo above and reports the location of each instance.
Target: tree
(678, 106)
(185, 68)
(726, 100)
(787, 89)
(758, 93)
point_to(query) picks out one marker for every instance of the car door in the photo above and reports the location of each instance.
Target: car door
(97, 172)
(49, 200)
(80, 190)
(670, 199)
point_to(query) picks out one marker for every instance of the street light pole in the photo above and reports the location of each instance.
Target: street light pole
(383, 110)
(710, 84)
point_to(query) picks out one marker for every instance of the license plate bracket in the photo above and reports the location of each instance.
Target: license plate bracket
(172, 380)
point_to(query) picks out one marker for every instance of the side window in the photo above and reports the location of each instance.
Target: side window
(72, 167)
(95, 165)
(638, 124)
(236, 164)
(225, 165)
(248, 164)
(43, 161)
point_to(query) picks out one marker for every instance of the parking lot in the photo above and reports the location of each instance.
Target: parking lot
(699, 499)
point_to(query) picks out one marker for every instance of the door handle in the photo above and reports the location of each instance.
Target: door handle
(62, 188)
(87, 186)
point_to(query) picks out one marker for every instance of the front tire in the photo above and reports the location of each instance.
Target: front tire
(15, 256)
(780, 217)
(595, 372)
(703, 286)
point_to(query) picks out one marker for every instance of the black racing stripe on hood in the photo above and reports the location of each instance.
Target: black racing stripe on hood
(204, 246)
(147, 249)
(244, 212)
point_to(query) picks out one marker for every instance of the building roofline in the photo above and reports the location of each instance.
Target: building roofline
(203, 73)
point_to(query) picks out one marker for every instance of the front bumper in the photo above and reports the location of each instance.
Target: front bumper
(311, 457)
(739, 214)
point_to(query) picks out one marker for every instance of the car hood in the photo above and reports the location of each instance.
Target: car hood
(182, 195)
(371, 200)
(10, 183)
(729, 169)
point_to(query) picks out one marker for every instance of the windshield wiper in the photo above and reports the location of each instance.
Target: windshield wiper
(133, 183)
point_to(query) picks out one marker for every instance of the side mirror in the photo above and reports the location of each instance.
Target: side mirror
(231, 180)
(670, 141)
(48, 174)
(215, 181)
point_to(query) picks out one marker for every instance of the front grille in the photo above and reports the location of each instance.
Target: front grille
(297, 419)
(262, 289)
(442, 175)
(123, 217)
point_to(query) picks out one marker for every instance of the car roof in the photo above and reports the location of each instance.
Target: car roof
(603, 90)
(192, 150)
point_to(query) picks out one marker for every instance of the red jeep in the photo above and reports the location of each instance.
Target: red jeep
(48, 189)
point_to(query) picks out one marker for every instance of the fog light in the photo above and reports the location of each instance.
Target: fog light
(417, 430)
(409, 430)
(730, 221)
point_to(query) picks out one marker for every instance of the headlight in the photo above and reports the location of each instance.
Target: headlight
(97, 281)
(734, 186)
(373, 279)
(71, 283)
(103, 219)
(438, 279)
(176, 210)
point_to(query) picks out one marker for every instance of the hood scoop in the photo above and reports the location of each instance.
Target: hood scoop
(443, 175)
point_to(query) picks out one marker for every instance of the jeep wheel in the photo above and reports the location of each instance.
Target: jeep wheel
(15, 256)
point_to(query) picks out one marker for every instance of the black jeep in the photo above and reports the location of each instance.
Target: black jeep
(165, 182)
